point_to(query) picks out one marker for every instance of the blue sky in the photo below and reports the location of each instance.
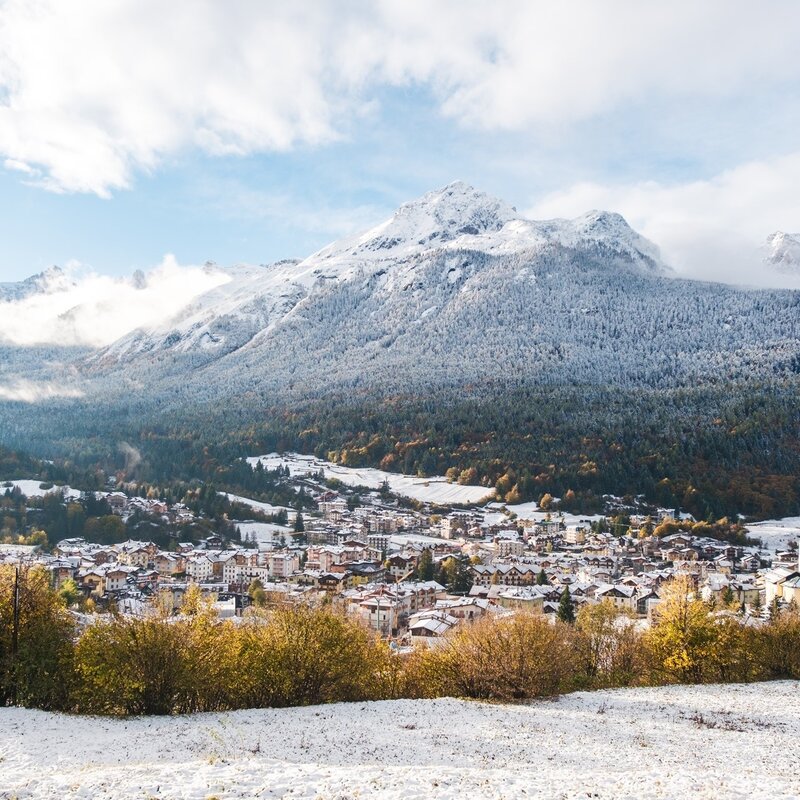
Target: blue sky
(129, 131)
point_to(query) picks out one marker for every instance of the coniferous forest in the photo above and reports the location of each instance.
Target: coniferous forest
(711, 451)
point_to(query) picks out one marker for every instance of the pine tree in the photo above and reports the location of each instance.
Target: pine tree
(424, 570)
(566, 608)
(460, 576)
(541, 578)
(727, 596)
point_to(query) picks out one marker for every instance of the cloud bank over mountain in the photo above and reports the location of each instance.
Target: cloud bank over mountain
(260, 125)
(79, 307)
(709, 229)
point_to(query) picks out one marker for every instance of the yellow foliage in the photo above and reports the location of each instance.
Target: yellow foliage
(508, 659)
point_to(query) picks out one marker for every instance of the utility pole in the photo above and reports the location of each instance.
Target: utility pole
(15, 637)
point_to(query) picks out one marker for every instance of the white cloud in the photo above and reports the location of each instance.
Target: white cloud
(95, 310)
(94, 91)
(710, 229)
(23, 391)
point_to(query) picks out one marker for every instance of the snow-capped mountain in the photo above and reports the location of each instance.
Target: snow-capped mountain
(455, 289)
(782, 252)
(253, 301)
(459, 217)
(52, 280)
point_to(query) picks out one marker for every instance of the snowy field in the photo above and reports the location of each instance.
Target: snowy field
(31, 489)
(267, 508)
(675, 742)
(776, 533)
(266, 534)
(426, 490)
(495, 516)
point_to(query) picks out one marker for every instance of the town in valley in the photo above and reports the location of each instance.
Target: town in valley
(409, 569)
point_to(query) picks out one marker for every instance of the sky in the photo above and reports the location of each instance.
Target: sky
(137, 134)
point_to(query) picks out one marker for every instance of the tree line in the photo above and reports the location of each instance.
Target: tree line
(714, 450)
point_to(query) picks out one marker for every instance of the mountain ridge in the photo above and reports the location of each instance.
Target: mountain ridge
(429, 289)
(564, 351)
(454, 218)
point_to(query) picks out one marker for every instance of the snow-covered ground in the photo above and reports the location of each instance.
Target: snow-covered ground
(674, 742)
(31, 489)
(403, 539)
(264, 533)
(776, 533)
(496, 516)
(267, 508)
(427, 490)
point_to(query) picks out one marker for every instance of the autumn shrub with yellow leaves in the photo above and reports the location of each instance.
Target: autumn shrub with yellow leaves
(284, 655)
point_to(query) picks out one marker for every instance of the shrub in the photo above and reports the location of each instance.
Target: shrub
(777, 646)
(38, 675)
(520, 657)
(301, 656)
(132, 666)
(607, 648)
(689, 644)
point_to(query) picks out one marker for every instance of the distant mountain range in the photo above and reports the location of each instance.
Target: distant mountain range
(50, 281)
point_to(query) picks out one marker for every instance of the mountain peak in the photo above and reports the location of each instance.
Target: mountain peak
(605, 221)
(454, 210)
(53, 279)
(436, 218)
(459, 216)
(782, 252)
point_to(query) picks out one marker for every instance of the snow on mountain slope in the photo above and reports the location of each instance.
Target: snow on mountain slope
(457, 218)
(247, 300)
(705, 742)
(455, 289)
(53, 279)
(447, 215)
(782, 252)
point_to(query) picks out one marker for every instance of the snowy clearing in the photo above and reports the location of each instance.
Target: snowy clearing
(31, 489)
(426, 490)
(700, 742)
(266, 508)
(265, 534)
(497, 516)
(776, 533)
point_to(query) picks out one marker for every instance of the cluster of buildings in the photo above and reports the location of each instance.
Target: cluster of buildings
(532, 567)
(388, 565)
(124, 506)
